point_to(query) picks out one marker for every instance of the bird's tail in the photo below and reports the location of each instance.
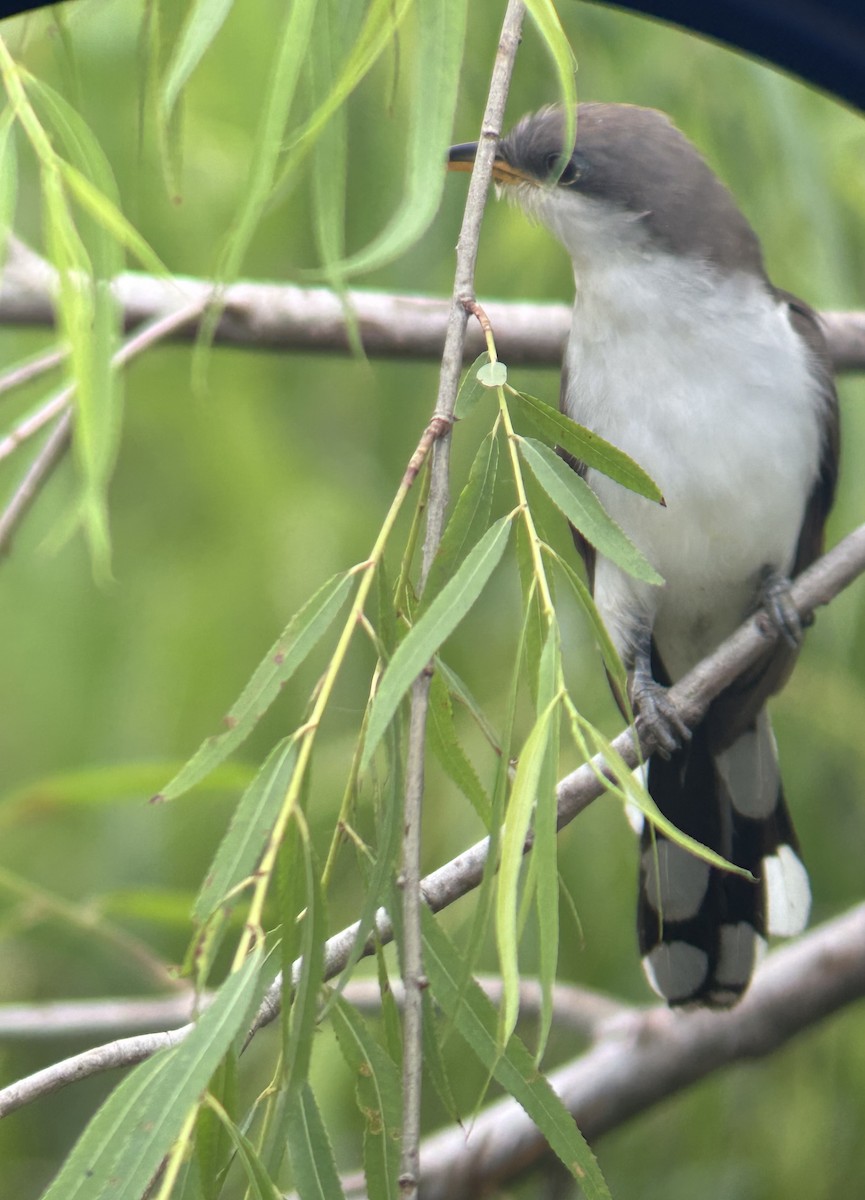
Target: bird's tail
(701, 929)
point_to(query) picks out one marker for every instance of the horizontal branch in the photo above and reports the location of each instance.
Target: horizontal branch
(271, 316)
(577, 1009)
(692, 695)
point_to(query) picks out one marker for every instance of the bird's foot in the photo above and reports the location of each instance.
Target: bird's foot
(778, 613)
(657, 716)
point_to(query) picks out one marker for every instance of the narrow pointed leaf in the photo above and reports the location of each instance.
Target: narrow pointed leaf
(476, 1020)
(554, 428)
(247, 835)
(439, 41)
(517, 822)
(261, 1185)
(121, 1149)
(543, 13)
(312, 1161)
(472, 391)
(584, 510)
(438, 622)
(379, 1098)
(446, 746)
(468, 521)
(203, 22)
(627, 786)
(300, 637)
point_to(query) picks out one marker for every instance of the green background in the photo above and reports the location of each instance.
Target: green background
(229, 508)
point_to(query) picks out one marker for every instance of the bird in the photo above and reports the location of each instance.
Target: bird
(684, 354)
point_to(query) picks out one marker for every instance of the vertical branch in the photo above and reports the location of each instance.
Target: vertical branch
(463, 293)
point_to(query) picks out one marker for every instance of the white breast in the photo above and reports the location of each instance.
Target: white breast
(702, 379)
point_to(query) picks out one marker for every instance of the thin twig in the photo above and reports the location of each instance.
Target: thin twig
(58, 441)
(818, 585)
(452, 357)
(577, 1009)
(28, 371)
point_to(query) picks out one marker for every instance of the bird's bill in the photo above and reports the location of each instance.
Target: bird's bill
(462, 158)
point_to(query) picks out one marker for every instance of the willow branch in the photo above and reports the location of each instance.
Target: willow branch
(449, 378)
(274, 316)
(817, 586)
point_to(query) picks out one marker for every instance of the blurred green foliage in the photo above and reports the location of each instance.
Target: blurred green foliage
(229, 509)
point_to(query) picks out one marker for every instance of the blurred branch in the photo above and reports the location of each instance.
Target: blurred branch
(269, 316)
(644, 1057)
(822, 581)
(58, 441)
(577, 1009)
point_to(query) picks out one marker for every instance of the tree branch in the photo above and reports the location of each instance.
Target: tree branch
(271, 316)
(822, 581)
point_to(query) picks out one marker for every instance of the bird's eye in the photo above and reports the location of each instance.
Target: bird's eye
(570, 174)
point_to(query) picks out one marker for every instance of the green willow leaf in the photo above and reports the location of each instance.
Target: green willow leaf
(120, 1150)
(439, 40)
(438, 622)
(261, 1185)
(379, 1099)
(447, 749)
(629, 788)
(612, 661)
(472, 391)
(247, 835)
(300, 998)
(545, 848)
(312, 1161)
(476, 1021)
(517, 822)
(573, 496)
(543, 13)
(558, 430)
(301, 636)
(8, 178)
(470, 517)
(203, 22)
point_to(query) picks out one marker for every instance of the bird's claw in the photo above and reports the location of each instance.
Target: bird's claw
(778, 612)
(658, 718)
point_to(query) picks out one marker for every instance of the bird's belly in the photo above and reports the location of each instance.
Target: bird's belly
(734, 445)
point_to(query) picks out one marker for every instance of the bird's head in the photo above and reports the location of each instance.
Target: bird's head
(631, 181)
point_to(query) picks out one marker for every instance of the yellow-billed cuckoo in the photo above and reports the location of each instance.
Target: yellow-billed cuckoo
(683, 353)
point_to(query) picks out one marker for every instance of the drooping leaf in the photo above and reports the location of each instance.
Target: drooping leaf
(476, 1020)
(312, 1161)
(291, 649)
(379, 1099)
(472, 391)
(584, 510)
(468, 520)
(120, 1150)
(437, 624)
(517, 823)
(261, 1185)
(300, 996)
(449, 751)
(247, 835)
(439, 41)
(554, 428)
(545, 848)
(203, 22)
